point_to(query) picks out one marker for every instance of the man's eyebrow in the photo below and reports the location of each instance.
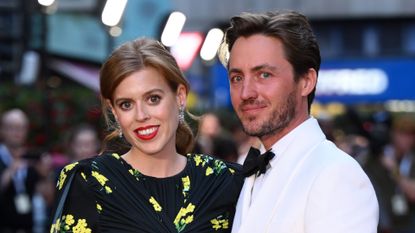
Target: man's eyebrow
(234, 70)
(254, 69)
(264, 66)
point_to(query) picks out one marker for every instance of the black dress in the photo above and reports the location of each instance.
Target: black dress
(108, 195)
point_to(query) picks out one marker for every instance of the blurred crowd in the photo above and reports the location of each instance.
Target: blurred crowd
(28, 174)
(383, 144)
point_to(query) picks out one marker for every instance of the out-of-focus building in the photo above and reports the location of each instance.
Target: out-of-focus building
(367, 47)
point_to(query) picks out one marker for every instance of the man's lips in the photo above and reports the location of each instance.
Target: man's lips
(147, 133)
(251, 108)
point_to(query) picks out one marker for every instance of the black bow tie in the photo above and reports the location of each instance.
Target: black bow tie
(255, 162)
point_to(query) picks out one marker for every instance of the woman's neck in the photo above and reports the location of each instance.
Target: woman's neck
(159, 166)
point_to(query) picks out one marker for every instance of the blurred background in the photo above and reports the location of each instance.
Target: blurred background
(51, 52)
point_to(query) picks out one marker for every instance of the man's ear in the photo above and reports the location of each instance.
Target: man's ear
(181, 95)
(308, 82)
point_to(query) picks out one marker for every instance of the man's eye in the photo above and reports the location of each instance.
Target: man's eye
(265, 75)
(236, 78)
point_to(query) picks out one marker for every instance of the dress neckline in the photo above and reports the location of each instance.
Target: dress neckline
(136, 172)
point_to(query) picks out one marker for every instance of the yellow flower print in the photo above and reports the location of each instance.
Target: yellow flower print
(99, 208)
(100, 178)
(215, 224)
(189, 219)
(69, 219)
(135, 173)
(115, 155)
(184, 217)
(186, 182)
(190, 208)
(156, 205)
(209, 171)
(70, 166)
(219, 166)
(219, 223)
(186, 185)
(197, 159)
(56, 226)
(108, 189)
(231, 170)
(67, 225)
(62, 176)
(81, 227)
(83, 175)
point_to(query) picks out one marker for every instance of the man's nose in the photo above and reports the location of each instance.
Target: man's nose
(249, 89)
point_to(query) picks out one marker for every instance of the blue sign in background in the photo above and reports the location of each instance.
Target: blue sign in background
(399, 72)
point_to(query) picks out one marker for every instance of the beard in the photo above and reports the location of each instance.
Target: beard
(275, 122)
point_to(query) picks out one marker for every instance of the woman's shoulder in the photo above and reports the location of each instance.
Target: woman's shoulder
(73, 169)
(74, 166)
(212, 165)
(93, 161)
(212, 173)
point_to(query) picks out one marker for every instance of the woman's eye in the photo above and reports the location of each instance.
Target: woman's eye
(125, 105)
(154, 99)
(265, 75)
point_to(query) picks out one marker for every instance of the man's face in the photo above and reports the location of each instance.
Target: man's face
(14, 129)
(262, 87)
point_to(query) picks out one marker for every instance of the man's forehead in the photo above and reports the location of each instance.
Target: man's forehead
(14, 117)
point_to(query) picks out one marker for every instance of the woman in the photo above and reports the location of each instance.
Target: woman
(154, 186)
(82, 142)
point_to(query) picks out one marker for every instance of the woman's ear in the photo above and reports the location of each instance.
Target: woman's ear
(308, 82)
(111, 107)
(181, 95)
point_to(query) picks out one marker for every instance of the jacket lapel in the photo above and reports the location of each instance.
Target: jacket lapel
(285, 167)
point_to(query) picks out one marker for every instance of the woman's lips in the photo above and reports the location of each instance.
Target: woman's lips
(147, 133)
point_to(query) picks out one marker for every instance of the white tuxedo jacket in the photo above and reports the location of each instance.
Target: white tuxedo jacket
(311, 187)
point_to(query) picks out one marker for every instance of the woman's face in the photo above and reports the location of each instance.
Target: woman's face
(85, 144)
(147, 111)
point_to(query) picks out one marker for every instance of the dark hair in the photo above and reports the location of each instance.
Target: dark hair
(225, 148)
(292, 28)
(131, 57)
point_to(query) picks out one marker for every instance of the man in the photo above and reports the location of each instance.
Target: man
(17, 178)
(393, 175)
(309, 185)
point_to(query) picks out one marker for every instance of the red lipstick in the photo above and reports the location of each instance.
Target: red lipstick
(147, 133)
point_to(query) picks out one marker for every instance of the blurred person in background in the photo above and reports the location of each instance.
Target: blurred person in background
(225, 148)
(209, 127)
(392, 172)
(154, 184)
(302, 182)
(83, 142)
(243, 141)
(18, 175)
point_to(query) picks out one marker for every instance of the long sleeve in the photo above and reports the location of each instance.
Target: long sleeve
(342, 200)
(80, 212)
